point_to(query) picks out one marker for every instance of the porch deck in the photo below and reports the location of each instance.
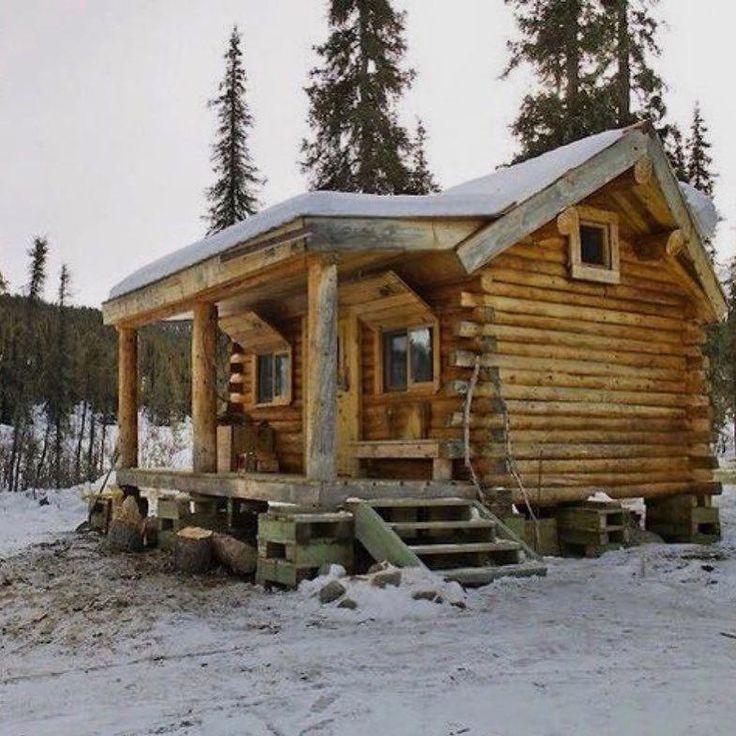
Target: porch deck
(284, 488)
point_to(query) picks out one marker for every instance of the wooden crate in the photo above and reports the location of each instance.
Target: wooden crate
(684, 519)
(591, 528)
(293, 546)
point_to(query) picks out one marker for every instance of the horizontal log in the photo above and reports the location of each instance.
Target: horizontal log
(578, 451)
(601, 481)
(571, 338)
(576, 367)
(583, 409)
(651, 290)
(586, 314)
(546, 393)
(553, 496)
(688, 335)
(561, 281)
(569, 296)
(610, 383)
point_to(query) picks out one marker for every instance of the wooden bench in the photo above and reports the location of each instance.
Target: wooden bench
(440, 452)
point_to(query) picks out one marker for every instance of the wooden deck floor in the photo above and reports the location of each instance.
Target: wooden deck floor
(282, 488)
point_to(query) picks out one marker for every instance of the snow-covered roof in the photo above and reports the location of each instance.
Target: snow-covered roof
(489, 197)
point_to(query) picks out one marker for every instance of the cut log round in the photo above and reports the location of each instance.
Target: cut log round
(237, 556)
(193, 550)
(125, 536)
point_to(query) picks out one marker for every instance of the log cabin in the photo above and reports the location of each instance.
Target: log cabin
(538, 330)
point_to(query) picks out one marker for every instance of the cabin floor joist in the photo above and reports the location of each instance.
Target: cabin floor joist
(289, 489)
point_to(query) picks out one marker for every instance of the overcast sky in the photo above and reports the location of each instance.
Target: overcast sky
(105, 133)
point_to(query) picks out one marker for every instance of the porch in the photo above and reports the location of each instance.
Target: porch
(311, 336)
(290, 489)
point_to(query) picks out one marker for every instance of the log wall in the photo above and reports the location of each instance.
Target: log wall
(286, 420)
(603, 385)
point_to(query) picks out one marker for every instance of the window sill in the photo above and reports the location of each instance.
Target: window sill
(595, 273)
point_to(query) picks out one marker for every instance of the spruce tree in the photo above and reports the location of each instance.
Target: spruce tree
(699, 161)
(233, 197)
(631, 43)
(422, 180)
(3, 284)
(357, 142)
(59, 379)
(38, 253)
(675, 149)
(559, 40)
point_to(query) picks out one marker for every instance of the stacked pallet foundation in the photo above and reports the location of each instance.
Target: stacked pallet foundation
(591, 528)
(292, 546)
(686, 519)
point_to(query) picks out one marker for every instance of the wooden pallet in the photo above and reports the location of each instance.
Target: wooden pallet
(293, 546)
(684, 519)
(591, 528)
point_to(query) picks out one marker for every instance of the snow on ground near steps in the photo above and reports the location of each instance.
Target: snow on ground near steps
(24, 521)
(638, 642)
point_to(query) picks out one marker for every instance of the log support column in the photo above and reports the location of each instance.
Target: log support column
(204, 391)
(127, 397)
(321, 370)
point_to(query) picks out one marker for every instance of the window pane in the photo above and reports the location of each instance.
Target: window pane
(593, 245)
(394, 361)
(265, 378)
(281, 374)
(420, 354)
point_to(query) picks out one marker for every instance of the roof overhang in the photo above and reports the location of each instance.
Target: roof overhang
(579, 183)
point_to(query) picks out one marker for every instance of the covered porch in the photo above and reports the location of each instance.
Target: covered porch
(283, 305)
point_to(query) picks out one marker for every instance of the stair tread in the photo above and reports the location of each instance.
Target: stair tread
(488, 573)
(417, 502)
(437, 524)
(503, 545)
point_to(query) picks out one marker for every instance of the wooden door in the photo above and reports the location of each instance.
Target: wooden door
(348, 392)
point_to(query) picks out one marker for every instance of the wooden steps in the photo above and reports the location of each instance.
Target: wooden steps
(456, 537)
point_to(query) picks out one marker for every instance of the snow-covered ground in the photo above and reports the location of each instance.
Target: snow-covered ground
(641, 641)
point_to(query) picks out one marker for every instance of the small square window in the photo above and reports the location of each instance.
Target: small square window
(594, 245)
(408, 358)
(272, 378)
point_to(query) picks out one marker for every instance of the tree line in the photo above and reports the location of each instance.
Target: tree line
(594, 69)
(58, 382)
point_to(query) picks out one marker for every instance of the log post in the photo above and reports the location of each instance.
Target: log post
(321, 367)
(127, 397)
(204, 390)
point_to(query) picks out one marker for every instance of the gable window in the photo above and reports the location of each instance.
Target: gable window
(273, 378)
(593, 243)
(408, 358)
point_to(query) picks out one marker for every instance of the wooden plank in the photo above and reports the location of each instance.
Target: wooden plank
(127, 397)
(503, 545)
(381, 542)
(257, 487)
(542, 207)
(321, 367)
(388, 234)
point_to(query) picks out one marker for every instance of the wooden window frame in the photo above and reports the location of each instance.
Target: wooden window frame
(569, 223)
(286, 397)
(412, 387)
